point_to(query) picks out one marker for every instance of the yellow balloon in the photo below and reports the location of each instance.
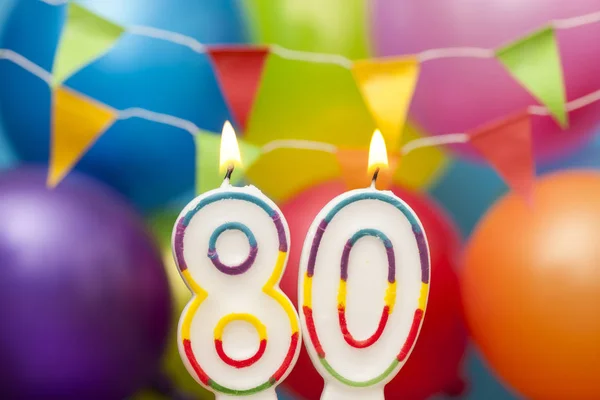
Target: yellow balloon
(162, 225)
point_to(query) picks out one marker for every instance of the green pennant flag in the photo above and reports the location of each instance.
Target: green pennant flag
(535, 62)
(207, 160)
(85, 37)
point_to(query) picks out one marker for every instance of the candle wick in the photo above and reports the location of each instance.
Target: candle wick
(374, 180)
(227, 177)
(229, 172)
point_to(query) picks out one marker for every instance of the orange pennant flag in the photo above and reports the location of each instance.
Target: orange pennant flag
(77, 122)
(238, 71)
(507, 146)
(387, 87)
(353, 165)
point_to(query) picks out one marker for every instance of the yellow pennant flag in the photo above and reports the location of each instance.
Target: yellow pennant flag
(77, 122)
(387, 87)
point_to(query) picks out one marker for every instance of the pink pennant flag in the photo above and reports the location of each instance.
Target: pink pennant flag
(507, 146)
(238, 70)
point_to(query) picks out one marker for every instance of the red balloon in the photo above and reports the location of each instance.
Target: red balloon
(434, 365)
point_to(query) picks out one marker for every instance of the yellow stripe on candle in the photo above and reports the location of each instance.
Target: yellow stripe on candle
(390, 296)
(270, 289)
(423, 296)
(194, 287)
(188, 317)
(342, 294)
(307, 291)
(251, 319)
(199, 296)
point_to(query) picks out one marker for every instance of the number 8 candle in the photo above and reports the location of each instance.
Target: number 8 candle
(363, 288)
(239, 334)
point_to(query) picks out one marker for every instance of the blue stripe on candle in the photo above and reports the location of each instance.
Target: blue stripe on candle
(185, 220)
(386, 198)
(237, 226)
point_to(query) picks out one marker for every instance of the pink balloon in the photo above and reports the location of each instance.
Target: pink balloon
(459, 94)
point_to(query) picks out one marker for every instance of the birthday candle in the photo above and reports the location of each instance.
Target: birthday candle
(239, 335)
(363, 288)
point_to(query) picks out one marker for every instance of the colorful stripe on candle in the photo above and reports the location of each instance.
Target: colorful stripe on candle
(270, 288)
(214, 256)
(260, 329)
(412, 334)
(390, 296)
(184, 221)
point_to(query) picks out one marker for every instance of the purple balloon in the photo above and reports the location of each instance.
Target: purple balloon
(459, 94)
(85, 303)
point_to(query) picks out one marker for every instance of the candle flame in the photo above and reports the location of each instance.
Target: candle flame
(230, 151)
(377, 153)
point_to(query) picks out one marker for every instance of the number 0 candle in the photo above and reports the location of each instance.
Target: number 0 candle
(363, 288)
(239, 335)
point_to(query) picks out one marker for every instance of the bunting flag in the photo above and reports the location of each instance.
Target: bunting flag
(534, 61)
(85, 37)
(207, 160)
(387, 88)
(507, 146)
(239, 71)
(77, 122)
(353, 167)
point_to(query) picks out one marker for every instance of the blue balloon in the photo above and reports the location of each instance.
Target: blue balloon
(467, 189)
(7, 156)
(147, 161)
(483, 384)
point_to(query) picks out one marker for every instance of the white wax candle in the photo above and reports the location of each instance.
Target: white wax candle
(363, 288)
(239, 335)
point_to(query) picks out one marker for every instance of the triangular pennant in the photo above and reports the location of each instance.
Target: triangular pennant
(507, 146)
(534, 62)
(85, 37)
(238, 70)
(353, 167)
(207, 160)
(77, 122)
(387, 87)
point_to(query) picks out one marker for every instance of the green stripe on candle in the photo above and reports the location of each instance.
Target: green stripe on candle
(244, 392)
(352, 383)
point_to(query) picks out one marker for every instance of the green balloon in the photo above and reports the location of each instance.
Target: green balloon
(309, 101)
(161, 225)
(325, 26)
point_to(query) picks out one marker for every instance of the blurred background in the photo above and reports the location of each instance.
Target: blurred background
(110, 113)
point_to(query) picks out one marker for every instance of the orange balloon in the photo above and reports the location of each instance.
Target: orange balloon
(531, 288)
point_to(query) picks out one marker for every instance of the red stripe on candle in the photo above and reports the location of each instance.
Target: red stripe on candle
(412, 335)
(240, 363)
(312, 331)
(189, 353)
(361, 344)
(287, 363)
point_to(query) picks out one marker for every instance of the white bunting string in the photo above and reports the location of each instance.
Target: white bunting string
(336, 59)
(171, 120)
